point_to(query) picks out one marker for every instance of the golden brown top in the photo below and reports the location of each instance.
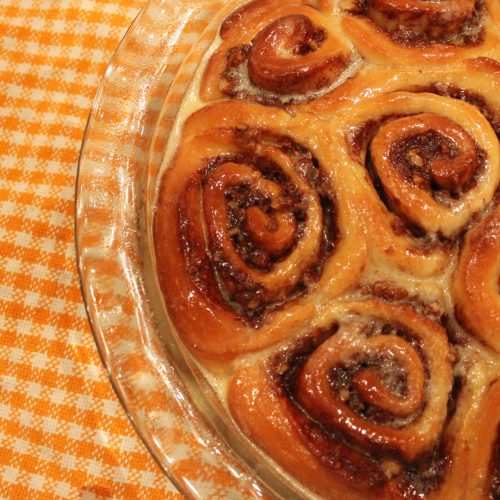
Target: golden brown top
(327, 238)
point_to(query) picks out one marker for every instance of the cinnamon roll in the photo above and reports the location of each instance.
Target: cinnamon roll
(421, 31)
(326, 236)
(429, 165)
(361, 403)
(252, 223)
(484, 437)
(472, 469)
(277, 53)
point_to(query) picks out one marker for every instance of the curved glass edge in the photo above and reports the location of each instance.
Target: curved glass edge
(112, 165)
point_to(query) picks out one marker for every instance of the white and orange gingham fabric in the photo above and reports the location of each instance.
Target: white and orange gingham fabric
(63, 432)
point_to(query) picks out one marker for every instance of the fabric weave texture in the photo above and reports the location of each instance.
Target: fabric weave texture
(63, 433)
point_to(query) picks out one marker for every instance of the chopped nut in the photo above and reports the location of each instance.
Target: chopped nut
(414, 158)
(418, 180)
(436, 308)
(224, 85)
(444, 148)
(391, 468)
(253, 304)
(344, 395)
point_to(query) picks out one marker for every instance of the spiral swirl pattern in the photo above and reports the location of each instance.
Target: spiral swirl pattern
(257, 223)
(276, 54)
(381, 379)
(410, 31)
(257, 228)
(433, 163)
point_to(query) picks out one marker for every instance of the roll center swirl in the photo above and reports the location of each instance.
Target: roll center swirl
(261, 221)
(427, 169)
(367, 385)
(430, 151)
(255, 212)
(292, 54)
(274, 233)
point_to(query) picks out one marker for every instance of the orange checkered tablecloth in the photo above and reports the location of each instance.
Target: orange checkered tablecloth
(63, 432)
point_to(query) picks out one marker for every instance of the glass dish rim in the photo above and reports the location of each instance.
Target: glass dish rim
(119, 395)
(177, 481)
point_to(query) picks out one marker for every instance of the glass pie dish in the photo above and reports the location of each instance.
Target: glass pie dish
(165, 396)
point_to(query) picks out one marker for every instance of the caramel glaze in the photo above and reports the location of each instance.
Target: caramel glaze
(372, 470)
(264, 230)
(243, 58)
(237, 18)
(475, 293)
(329, 448)
(277, 399)
(469, 96)
(287, 61)
(243, 199)
(305, 38)
(414, 156)
(419, 23)
(433, 148)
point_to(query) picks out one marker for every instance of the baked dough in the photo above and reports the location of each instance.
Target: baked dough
(327, 240)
